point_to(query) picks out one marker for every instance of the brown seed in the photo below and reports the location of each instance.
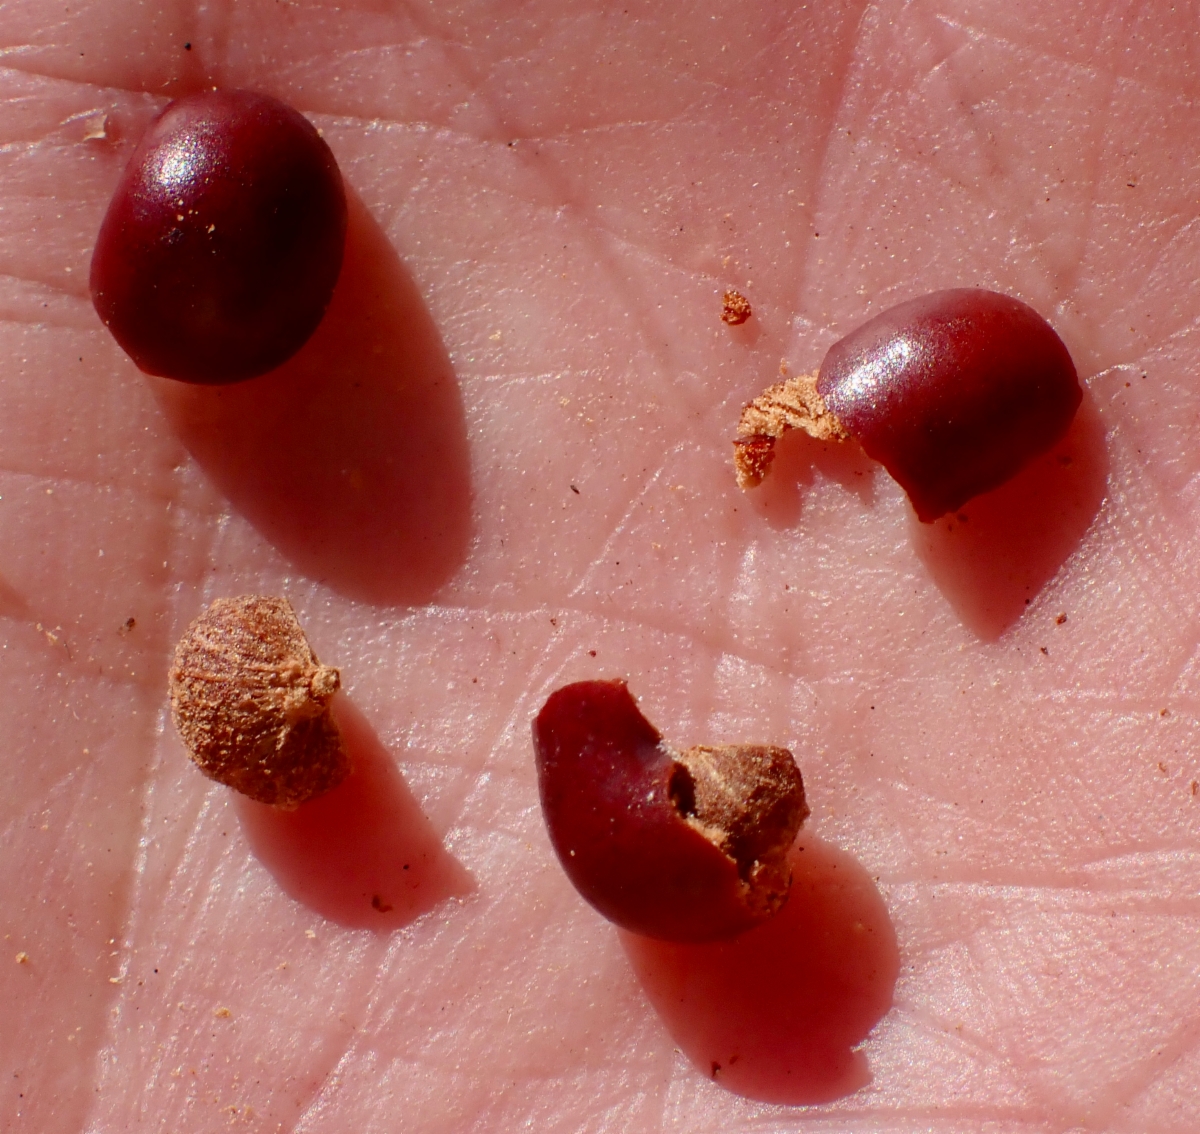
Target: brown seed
(251, 702)
(735, 308)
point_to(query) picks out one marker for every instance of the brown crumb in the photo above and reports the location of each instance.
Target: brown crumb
(23, 957)
(222, 1013)
(735, 308)
(251, 702)
(748, 801)
(1060, 620)
(377, 903)
(791, 404)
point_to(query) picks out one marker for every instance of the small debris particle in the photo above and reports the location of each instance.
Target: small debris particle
(130, 623)
(97, 130)
(1162, 767)
(735, 308)
(115, 979)
(575, 490)
(310, 934)
(591, 653)
(222, 1013)
(377, 903)
(1044, 650)
(715, 1068)
(23, 957)
(187, 47)
(1195, 787)
(1060, 620)
(1163, 713)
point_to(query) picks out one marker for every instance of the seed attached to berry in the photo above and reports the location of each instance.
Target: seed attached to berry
(251, 702)
(223, 241)
(953, 393)
(681, 845)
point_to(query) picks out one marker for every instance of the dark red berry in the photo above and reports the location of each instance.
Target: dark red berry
(223, 241)
(953, 393)
(681, 845)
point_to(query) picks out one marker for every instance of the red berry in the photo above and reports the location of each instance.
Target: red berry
(684, 846)
(223, 241)
(953, 393)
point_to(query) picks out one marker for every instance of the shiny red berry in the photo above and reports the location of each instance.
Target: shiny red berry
(953, 393)
(681, 845)
(223, 241)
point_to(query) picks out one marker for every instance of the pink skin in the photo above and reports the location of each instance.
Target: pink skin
(547, 205)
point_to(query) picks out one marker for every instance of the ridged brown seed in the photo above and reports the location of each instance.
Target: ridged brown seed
(251, 702)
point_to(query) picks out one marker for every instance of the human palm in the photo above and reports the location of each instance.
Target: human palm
(503, 463)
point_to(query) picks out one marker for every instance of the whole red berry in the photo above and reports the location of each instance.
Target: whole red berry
(223, 241)
(682, 845)
(953, 393)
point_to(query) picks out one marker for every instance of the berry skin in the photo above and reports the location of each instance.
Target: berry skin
(223, 241)
(953, 393)
(680, 845)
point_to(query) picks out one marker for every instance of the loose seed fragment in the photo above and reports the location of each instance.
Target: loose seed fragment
(735, 308)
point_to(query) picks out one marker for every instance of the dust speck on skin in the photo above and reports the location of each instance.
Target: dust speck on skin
(222, 1013)
(735, 308)
(97, 128)
(22, 957)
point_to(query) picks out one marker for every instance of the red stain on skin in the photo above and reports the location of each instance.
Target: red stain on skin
(776, 1013)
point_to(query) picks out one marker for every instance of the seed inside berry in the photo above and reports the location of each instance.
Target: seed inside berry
(681, 845)
(223, 241)
(953, 393)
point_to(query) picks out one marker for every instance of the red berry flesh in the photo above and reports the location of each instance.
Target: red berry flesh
(223, 241)
(680, 845)
(953, 393)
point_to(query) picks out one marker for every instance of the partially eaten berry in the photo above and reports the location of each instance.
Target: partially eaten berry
(953, 393)
(684, 845)
(223, 241)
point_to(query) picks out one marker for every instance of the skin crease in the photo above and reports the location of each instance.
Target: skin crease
(546, 209)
